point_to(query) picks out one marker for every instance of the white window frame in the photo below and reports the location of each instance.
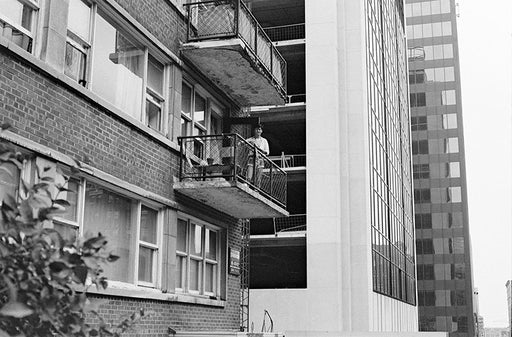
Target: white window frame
(34, 5)
(82, 45)
(185, 277)
(136, 207)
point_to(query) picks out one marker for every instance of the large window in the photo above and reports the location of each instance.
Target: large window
(426, 30)
(17, 22)
(125, 73)
(132, 230)
(425, 8)
(433, 52)
(200, 115)
(197, 257)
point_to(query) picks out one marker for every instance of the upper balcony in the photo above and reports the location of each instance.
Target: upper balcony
(227, 44)
(229, 174)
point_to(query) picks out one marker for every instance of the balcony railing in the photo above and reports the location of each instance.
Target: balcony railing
(289, 160)
(221, 19)
(230, 157)
(285, 33)
(292, 223)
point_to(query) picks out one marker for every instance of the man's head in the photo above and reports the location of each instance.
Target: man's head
(258, 130)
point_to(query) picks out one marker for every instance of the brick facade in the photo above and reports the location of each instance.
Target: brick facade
(47, 111)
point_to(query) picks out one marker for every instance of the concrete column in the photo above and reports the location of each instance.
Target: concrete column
(175, 103)
(54, 32)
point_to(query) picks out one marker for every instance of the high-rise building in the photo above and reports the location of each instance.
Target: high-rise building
(443, 246)
(344, 259)
(509, 304)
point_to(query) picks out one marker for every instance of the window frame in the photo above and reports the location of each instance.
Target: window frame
(32, 33)
(83, 45)
(186, 273)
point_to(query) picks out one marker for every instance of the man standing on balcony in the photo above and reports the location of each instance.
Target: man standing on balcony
(262, 144)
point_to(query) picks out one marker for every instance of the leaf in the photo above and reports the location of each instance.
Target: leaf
(62, 202)
(81, 273)
(16, 309)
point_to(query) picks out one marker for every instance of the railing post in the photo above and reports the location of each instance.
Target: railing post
(271, 176)
(237, 18)
(181, 159)
(235, 166)
(255, 153)
(188, 23)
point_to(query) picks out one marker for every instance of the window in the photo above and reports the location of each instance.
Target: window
(132, 232)
(420, 147)
(447, 220)
(427, 30)
(442, 74)
(419, 123)
(127, 75)
(421, 171)
(199, 116)
(17, 22)
(422, 195)
(78, 41)
(197, 258)
(155, 94)
(449, 121)
(448, 97)
(423, 220)
(427, 8)
(418, 99)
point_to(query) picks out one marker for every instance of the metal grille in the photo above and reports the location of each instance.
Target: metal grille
(292, 223)
(232, 18)
(211, 19)
(288, 32)
(289, 160)
(230, 157)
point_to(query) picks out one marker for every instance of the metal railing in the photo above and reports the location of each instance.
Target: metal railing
(289, 160)
(223, 19)
(230, 157)
(288, 32)
(296, 98)
(292, 223)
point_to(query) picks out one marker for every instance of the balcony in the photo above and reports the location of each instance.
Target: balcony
(229, 174)
(227, 44)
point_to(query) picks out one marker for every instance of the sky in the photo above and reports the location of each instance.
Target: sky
(485, 47)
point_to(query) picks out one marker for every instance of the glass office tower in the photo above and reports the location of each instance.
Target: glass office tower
(443, 245)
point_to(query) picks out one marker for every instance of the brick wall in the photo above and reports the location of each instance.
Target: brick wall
(48, 112)
(161, 18)
(180, 317)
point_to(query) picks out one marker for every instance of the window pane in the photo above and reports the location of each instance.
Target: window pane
(13, 10)
(181, 236)
(72, 197)
(74, 65)
(195, 275)
(68, 232)
(210, 244)
(9, 182)
(78, 18)
(117, 69)
(184, 126)
(200, 110)
(153, 113)
(210, 277)
(148, 224)
(186, 101)
(110, 214)
(155, 75)
(145, 264)
(180, 271)
(196, 233)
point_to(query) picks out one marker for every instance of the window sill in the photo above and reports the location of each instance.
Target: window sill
(88, 94)
(129, 290)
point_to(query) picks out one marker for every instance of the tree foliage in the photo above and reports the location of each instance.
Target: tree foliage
(44, 277)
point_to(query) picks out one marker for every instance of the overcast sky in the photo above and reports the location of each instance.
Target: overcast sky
(485, 40)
